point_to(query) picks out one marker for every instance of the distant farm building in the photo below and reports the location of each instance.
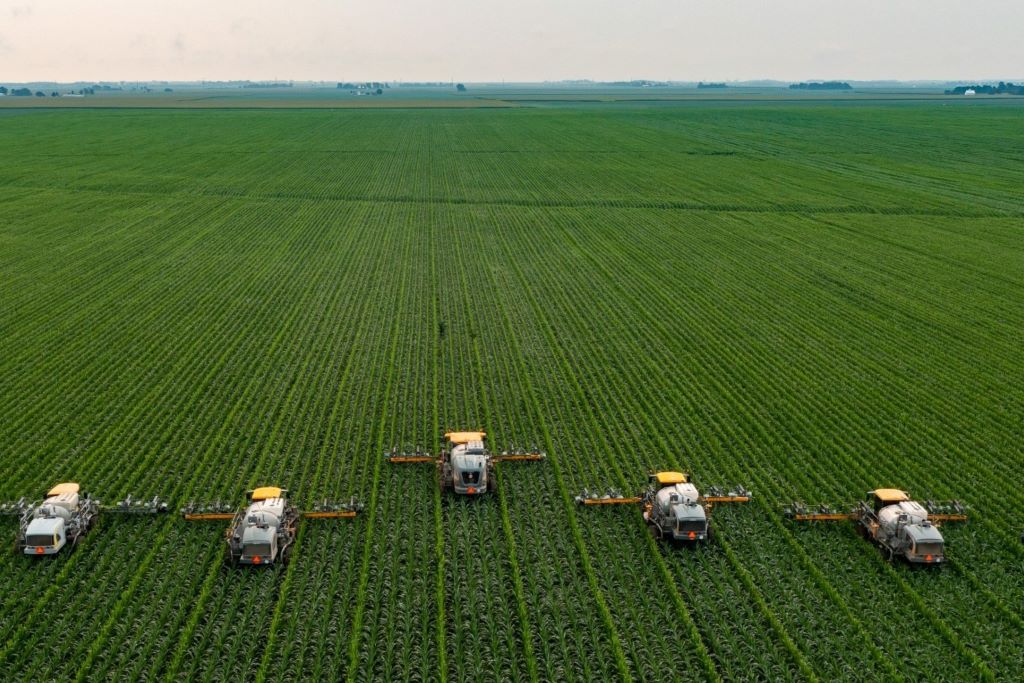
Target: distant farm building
(969, 92)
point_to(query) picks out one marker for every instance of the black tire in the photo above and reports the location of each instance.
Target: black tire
(655, 531)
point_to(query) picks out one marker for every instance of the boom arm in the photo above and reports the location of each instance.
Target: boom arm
(716, 494)
(799, 512)
(394, 455)
(519, 454)
(609, 497)
(134, 506)
(329, 510)
(203, 512)
(946, 511)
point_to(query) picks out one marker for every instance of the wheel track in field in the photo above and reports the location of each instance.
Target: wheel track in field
(970, 656)
(512, 422)
(389, 622)
(745, 578)
(223, 626)
(212, 575)
(512, 343)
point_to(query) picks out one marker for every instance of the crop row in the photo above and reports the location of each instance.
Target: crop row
(199, 319)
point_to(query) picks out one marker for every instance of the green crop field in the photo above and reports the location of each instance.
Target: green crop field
(811, 299)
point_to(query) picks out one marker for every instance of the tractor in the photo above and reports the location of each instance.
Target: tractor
(673, 508)
(901, 527)
(263, 532)
(64, 516)
(464, 465)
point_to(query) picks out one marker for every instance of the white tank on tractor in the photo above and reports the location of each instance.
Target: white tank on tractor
(900, 526)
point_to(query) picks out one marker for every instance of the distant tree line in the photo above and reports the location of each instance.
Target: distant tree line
(368, 88)
(369, 85)
(269, 84)
(27, 92)
(826, 85)
(1001, 89)
(639, 84)
(702, 84)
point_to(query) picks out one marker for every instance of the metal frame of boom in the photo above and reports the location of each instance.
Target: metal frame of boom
(286, 531)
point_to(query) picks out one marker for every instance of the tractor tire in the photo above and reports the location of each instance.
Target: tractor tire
(655, 531)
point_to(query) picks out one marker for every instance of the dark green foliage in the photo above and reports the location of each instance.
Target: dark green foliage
(809, 300)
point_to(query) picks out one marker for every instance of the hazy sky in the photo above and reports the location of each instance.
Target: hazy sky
(485, 40)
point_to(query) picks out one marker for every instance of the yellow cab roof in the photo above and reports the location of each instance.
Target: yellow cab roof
(670, 478)
(66, 487)
(265, 492)
(465, 437)
(891, 495)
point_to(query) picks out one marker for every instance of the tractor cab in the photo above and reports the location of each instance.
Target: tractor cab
(259, 545)
(880, 498)
(45, 535)
(470, 462)
(46, 532)
(926, 544)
